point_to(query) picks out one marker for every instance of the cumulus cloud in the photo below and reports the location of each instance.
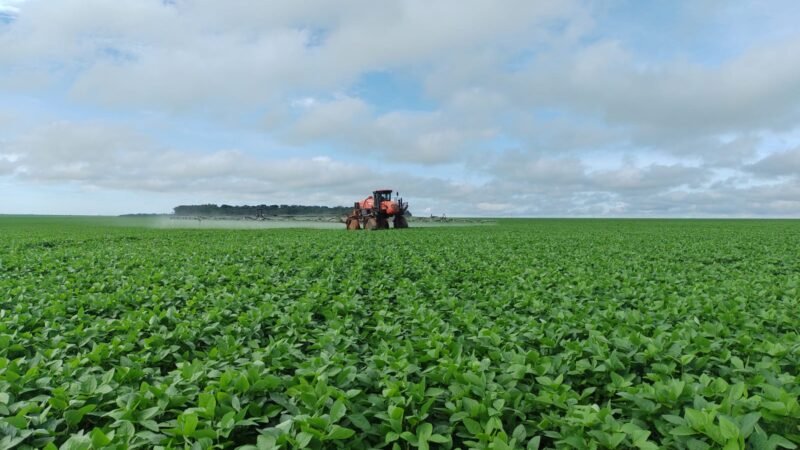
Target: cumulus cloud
(97, 155)
(654, 177)
(7, 164)
(10, 7)
(777, 200)
(756, 90)
(603, 95)
(532, 108)
(172, 56)
(108, 155)
(778, 164)
(416, 136)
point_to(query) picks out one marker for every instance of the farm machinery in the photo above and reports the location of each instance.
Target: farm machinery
(375, 211)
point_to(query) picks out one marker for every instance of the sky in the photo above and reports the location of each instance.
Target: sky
(569, 108)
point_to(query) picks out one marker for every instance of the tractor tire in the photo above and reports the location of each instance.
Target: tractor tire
(352, 224)
(400, 222)
(371, 224)
(383, 224)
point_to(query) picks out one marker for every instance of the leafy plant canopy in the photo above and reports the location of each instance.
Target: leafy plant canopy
(529, 334)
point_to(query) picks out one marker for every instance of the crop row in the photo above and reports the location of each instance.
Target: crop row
(531, 334)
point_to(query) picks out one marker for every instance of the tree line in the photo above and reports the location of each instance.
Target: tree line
(260, 210)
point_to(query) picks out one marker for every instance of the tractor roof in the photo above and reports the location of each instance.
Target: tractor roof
(383, 191)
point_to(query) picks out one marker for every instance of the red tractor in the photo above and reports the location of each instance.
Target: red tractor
(374, 212)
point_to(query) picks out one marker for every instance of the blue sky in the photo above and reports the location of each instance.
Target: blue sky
(515, 108)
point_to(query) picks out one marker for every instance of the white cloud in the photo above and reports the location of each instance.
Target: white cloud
(107, 155)
(494, 207)
(655, 177)
(135, 53)
(112, 157)
(421, 137)
(531, 107)
(784, 163)
(98, 155)
(756, 90)
(10, 6)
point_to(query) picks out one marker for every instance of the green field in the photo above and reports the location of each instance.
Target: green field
(525, 334)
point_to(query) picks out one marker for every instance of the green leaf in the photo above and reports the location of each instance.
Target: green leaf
(9, 442)
(242, 384)
(104, 389)
(728, 429)
(338, 411)
(696, 419)
(696, 444)
(228, 420)
(575, 441)
(208, 403)
(682, 431)
(647, 445)
(77, 442)
(780, 441)
(736, 392)
(205, 433)
(303, 439)
(150, 437)
(519, 433)
(99, 439)
(360, 421)
(396, 412)
(493, 424)
(499, 444)
(473, 426)
(424, 431)
(409, 437)
(73, 417)
(58, 403)
(614, 439)
(675, 420)
(19, 422)
(438, 439)
(264, 442)
(148, 413)
(747, 423)
(732, 444)
(151, 425)
(189, 424)
(337, 433)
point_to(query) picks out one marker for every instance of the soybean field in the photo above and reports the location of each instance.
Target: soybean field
(526, 334)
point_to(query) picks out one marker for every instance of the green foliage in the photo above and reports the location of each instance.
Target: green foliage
(525, 335)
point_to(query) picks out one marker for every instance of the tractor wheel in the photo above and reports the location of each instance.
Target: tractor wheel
(400, 222)
(371, 224)
(383, 224)
(352, 224)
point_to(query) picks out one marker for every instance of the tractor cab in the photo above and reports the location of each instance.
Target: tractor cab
(374, 212)
(382, 195)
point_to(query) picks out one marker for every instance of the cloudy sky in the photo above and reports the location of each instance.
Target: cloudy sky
(467, 107)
